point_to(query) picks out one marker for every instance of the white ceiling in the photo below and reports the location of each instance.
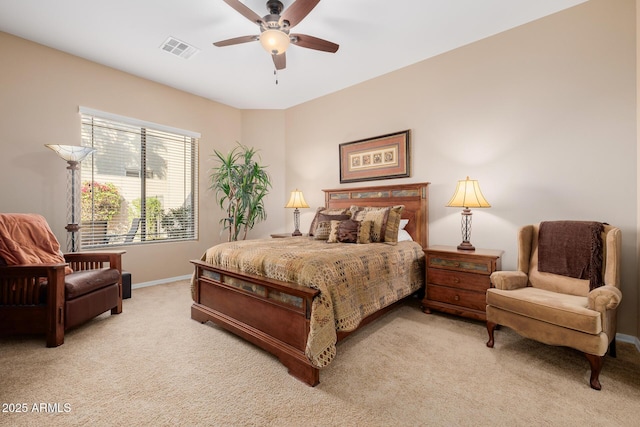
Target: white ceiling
(375, 37)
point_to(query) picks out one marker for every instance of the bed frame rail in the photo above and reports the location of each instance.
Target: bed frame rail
(271, 314)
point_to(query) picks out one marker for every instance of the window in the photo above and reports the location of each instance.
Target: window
(140, 185)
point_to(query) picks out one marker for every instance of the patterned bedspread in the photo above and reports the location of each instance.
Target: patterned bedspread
(355, 280)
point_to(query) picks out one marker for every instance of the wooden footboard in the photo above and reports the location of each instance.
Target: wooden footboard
(271, 314)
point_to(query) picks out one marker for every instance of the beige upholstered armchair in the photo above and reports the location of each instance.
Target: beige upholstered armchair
(565, 291)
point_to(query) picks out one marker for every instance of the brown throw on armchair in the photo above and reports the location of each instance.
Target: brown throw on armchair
(45, 292)
(551, 306)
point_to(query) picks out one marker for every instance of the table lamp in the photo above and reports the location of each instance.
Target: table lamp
(466, 196)
(296, 201)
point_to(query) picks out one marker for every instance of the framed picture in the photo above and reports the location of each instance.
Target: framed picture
(382, 157)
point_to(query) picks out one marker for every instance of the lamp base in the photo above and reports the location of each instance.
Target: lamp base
(296, 233)
(466, 246)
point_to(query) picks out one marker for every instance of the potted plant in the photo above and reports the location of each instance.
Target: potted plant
(240, 184)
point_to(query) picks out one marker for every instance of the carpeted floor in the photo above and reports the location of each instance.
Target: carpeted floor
(153, 365)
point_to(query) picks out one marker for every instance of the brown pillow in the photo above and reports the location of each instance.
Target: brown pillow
(348, 231)
(323, 225)
(324, 211)
(344, 231)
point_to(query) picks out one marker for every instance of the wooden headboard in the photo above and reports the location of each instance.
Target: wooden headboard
(414, 197)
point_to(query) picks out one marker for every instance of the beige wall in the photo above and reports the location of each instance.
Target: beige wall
(41, 90)
(544, 116)
(265, 130)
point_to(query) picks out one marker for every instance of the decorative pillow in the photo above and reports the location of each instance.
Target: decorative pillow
(378, 216)
(393, 225)
(323, 210)
(322, 230)
(348, 231)
(323, 227)
(344, 231)
(364, 234)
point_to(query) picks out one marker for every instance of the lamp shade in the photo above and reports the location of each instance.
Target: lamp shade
(274, 41)
(71, 153)
(468, 195)
(296, 200)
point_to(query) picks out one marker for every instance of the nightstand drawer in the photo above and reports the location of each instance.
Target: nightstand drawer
(457, 263)
(456, 279)
(457, 297)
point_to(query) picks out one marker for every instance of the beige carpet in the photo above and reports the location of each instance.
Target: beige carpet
(153, 365)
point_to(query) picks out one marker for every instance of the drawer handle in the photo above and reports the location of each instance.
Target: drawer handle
(456, 280)
(457, 298)
(456, 264)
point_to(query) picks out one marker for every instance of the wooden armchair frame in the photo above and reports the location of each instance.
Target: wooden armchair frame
(22, 311)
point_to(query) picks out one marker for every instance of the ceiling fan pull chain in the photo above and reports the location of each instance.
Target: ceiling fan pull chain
(275, 73)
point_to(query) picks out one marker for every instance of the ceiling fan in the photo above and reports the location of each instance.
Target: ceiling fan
(274, 29)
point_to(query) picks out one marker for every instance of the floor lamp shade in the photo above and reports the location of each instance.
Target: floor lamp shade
(73, 155)
(467, 195)
(296, 201)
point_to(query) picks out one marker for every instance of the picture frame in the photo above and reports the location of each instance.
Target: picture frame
(381, 157)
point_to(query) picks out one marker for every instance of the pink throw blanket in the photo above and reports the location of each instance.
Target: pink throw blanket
(27, 239)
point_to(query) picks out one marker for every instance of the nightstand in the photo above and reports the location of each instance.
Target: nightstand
(457, 280)
(284, 235)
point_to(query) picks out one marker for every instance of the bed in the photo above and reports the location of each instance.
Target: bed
(295, 299)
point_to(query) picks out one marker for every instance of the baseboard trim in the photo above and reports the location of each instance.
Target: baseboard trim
(161, 281)
(630, 339)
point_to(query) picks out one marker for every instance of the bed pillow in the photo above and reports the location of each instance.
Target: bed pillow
(378, 217)
(403, 235)
(323, 225)
(392, 226)
(325, 211)
(386, 221)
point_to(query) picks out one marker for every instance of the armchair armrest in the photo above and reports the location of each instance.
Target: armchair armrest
(29, 270)
(509, 280)
(93, 260)
(604, 298)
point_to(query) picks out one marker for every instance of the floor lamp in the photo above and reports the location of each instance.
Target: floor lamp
(467, 195)
(73, 155)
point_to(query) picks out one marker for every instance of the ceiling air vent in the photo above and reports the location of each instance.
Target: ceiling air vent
(179, 48)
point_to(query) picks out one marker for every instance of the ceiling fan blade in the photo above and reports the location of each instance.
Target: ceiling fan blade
(280, 61)
(298, 11)
(244, 11)
(311, 42)
(236, 40)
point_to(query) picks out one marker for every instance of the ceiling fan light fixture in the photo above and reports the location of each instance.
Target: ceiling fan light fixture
(274, 41)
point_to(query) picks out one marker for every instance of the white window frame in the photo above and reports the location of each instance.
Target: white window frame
(190, 184)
